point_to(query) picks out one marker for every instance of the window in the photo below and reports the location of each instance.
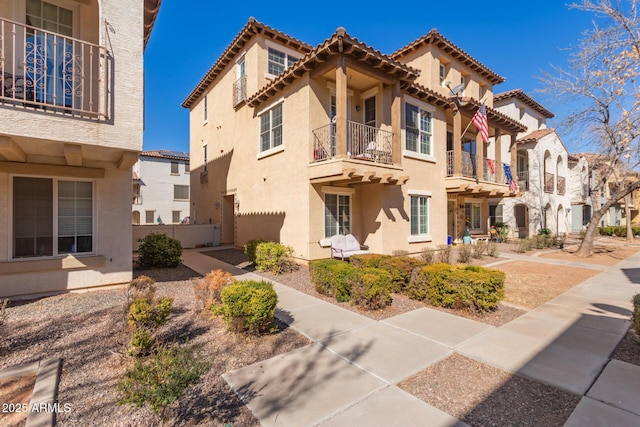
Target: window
(271, 128)
(370, 111)
(337, 214)
(472, 215)
(148, 217)
(181, 192)
(174, 168)
(204, 109)
(187, 167)
(442, 73)
(51, 217)
(419, 215)
(204, 157)
(481, 91)
(495, 214)
(175, 217)
(279, 61)
(49, 17)
(418, 129)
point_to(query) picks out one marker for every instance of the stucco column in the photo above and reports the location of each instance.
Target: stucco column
(396, 122)
(341, 107)
(498, 150)
(481, 153)
(513, 148)
(457, 143)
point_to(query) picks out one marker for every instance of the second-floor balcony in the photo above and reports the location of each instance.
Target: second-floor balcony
(523, 180)
(561, 185)
(48, 71)
(368, 155)
(478, 175)
(240, 91)
(548, 182)
(137, 198)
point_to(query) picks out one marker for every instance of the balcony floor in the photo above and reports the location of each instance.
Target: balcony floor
(470, 186)
(352, 171)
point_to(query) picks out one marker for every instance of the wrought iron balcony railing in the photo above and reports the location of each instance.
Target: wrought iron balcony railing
(41, 69)
(240, 90)
(523, 180)
(548, 182)
(363, 143)
(561, 185)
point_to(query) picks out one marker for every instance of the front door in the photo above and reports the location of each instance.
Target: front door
(228, 220)
(522, 228)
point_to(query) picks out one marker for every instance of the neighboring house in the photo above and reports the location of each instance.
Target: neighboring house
(71, 119)
(296, 143)
(579, 192)
(161, 187)
(542, 168)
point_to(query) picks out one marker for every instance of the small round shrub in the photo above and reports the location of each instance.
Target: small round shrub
(331, 277)
(157, 250)
(248, 306)
(250, 249)
(371, 288)
(274, 257)
(141, 343)
(635, 316)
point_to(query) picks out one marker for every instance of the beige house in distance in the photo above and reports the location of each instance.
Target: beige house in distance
(295, 143)
(71, 119)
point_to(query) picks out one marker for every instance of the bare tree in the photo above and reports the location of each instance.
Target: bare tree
(600, 88)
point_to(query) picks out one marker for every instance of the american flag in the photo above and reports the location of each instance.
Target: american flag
(480, 121)
(513, 184)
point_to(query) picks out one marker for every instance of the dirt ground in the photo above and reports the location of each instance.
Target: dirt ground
(603, 255)
(17, 393)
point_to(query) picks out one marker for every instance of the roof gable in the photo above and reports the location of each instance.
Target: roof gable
(525, 99)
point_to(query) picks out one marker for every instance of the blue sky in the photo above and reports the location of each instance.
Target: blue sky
(516, 39)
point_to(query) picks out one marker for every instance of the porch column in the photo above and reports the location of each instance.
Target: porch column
(341, 107)
(457, 143)
(481, 153)
(514, 156)
(497, 156)
(396, 122)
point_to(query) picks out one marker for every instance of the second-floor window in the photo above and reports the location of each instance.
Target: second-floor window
(204, 107)
(442, 73)
(175, 168)
(271, 128)
(418, 129)
(370, 111)
(181, 192)
(49, 17)
(279, 61)
(186, 167)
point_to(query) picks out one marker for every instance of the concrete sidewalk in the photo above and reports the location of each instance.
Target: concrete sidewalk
(349, 374)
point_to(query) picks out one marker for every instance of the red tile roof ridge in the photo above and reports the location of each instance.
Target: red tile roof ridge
(527, 99)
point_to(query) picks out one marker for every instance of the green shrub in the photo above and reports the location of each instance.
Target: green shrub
(250, 249)
(157, 250)
(465, 253)
(160, 379)
(248, 305)
(503, 231)
(444, 254)
(331, 277)
(462, 287)
(635, 316)
(400, 267)
(524, 245)
(618, 230)
(544, 232)
(274, 257)
(370, 288)
(145, 313)
(141, 343)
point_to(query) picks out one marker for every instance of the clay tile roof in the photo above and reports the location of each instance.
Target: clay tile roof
(166, 154)
(437, 39)
(536, 135)
(526, 99)
(151, 8)
(339, 42)
(425, 94)
(495, 118)
(251, 28)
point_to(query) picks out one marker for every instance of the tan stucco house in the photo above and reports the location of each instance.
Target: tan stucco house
(295, 143)
(71, 119)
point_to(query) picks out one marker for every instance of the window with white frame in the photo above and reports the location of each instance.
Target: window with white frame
(337, 214)
(175, 217)
(418, 129)
(279, 61)
(472, 215)
(49, 17)
(175, 168)
(181, 192)
(271, 128)
(149, 217)
(442, 72)
(419, 215)
(52, 217)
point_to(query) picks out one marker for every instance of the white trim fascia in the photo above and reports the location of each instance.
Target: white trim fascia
(418, 156)
(270, 151)
(420, 238)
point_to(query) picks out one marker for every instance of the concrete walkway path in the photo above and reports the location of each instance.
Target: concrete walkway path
(349, 374)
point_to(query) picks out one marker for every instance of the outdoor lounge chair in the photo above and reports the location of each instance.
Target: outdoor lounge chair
(344, 246)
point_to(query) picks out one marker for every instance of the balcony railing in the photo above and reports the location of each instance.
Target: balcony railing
(492, 171)
(523, 180)
(45, 70)
(363, 143)
(548, 182)
(137, 199)
(561, 185)
(240, 90)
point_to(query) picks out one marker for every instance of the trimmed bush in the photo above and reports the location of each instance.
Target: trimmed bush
(148, 314)
(274, 257)
(370, 288)
(208, 288)
(462, 287)
(250, 249)
(400, 268)
(157, 250)
(635, 316)
(331, 277)
(248, 306)
(141, 343)
(465, 253)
